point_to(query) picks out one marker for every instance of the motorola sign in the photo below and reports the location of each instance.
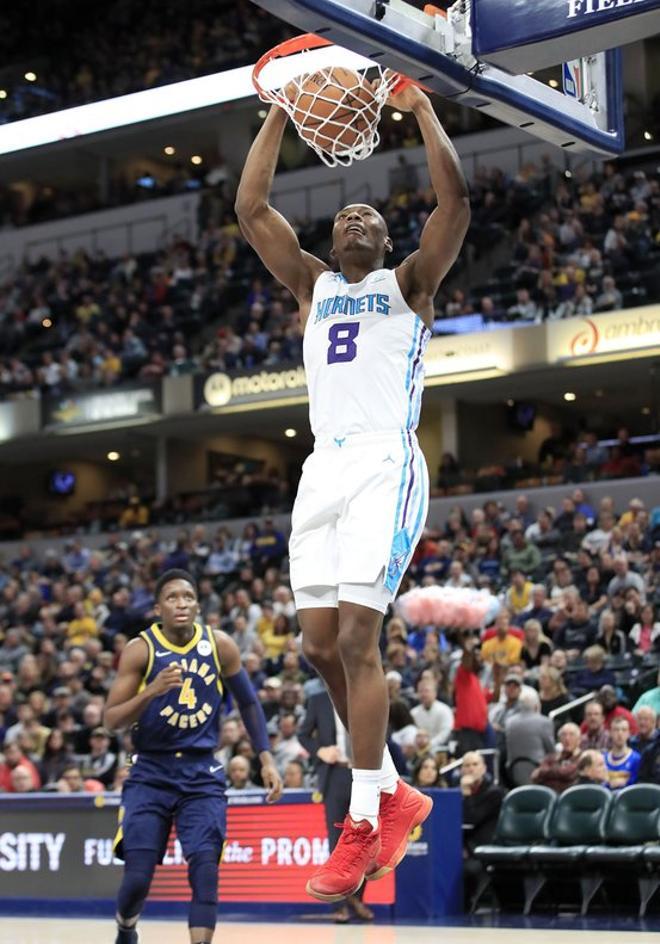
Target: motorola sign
(529, 35)
(258, 387)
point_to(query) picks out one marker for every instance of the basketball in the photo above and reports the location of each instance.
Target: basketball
(334, 106)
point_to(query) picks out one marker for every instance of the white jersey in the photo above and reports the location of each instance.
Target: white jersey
(363, 351)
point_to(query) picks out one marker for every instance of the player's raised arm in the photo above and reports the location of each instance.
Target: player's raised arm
(269, 234)
(125, 701)
(238, 683)
(422, 272)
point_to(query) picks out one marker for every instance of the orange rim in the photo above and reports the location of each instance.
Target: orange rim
(287, 48)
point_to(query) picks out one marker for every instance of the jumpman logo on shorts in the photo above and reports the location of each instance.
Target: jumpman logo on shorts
(340, 442)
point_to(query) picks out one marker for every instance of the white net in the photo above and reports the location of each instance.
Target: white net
(334, 98)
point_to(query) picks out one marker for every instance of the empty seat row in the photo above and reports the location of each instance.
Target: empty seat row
(586, 833)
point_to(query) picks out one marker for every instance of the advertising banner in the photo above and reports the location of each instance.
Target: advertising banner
(615, 333)
(276, 386)
(56, 854)
(468, 353)
(90, 409)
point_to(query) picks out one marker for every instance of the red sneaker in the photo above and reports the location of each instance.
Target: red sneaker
(343, 873)
(400, 812)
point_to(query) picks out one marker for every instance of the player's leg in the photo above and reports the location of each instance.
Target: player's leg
(145, 819)
(201, 825)
(320, 629)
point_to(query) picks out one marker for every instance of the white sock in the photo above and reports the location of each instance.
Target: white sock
(365, 796)
(389, 775)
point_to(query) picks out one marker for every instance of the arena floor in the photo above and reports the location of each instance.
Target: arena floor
(80, 931)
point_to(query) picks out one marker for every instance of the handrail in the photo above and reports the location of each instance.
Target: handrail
(571, 704)
(484, 752)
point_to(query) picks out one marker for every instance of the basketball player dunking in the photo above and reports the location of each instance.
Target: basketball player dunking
(363, 497)
(169, 689)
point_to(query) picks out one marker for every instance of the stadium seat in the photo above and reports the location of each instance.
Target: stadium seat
(523, 821)
(632, 821)
(577, 823)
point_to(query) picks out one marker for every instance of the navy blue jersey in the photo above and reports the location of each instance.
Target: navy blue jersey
(186, 718)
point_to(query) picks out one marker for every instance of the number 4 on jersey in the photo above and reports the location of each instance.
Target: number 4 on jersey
(187, 695)
(342, 347)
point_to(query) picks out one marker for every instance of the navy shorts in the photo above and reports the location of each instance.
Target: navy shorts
(185, 789)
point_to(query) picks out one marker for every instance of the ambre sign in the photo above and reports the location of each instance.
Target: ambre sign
(258, 387)
(609, 333)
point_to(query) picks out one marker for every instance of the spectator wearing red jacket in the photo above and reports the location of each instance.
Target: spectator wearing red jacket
(14, 757)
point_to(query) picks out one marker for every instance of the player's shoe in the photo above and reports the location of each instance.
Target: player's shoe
(343, 873)
(126, 936)
(400, 812)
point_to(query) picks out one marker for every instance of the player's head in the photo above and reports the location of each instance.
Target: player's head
(176, 599)
(359, 233)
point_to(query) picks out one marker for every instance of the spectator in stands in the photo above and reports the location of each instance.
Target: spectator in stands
(56, 757)
(294, 775)
(521, 555)
(577, 630)
(426, 773)
(647, 731)
(610, 298)
(13, 758)
(504, 648)
(624, 578)
(591, 768)
(622, 761)
(536, 648)
(238, 774)
(651, 697)
(431, 715)
(470, 708)
(525, 308)
(607, 696)
(645, 635)
(598, 540)
(610, 639)
(559, 769)
(552, 690)
(529, 737)
(594, 675)
(101, 762)
(538, 609)
(595, 735)
(518, 596)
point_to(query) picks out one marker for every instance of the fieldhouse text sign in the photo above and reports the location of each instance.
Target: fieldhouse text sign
(616, 332)
(527, 35)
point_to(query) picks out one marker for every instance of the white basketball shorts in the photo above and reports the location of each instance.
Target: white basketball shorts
(361, 506)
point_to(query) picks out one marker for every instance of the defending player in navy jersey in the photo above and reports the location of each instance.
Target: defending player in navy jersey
(363, 496)
(169, 689)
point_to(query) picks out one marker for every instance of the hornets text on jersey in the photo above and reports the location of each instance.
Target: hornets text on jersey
(186, 718)
(363, 350)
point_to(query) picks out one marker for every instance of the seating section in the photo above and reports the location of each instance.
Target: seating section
(588, 836)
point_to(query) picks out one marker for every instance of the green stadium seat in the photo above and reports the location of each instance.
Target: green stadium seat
(523, 821)
(578, 822)
(633, 820)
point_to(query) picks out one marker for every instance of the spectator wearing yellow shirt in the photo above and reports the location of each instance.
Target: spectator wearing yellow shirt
(275, 639)
(503, 648)
(519, 594)
(635, 506)
(82, 627)
(266, 622)
(135, 516)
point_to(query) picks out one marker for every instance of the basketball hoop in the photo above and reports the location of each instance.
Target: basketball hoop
(296, 75)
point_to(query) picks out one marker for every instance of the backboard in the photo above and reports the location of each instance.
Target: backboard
(444, 53)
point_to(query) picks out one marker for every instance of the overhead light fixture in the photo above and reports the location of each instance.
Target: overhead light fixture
(262, 113)
(509, 402)
(113, 456)
(569, 396)
(46, 323)
(195, 159)
(648, 136)
(290, 433)
(567, 173)
(3, 93)
(600, 393)
(397, 116)
(553, 83)
(646, 410)
(169, 150)
(30, 77)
